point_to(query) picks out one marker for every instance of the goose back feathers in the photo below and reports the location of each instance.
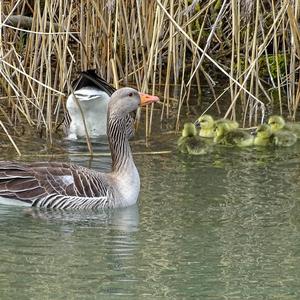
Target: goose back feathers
(55, 185)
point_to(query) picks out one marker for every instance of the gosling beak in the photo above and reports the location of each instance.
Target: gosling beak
(147, 99)
(197, 124)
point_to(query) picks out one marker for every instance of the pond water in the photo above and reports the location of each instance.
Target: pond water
(219, 226)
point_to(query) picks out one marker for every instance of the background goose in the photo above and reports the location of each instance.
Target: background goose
(67, 186)
(190, 142)
(278, 123)
(206, 123)
(93, 94)
(265, 137)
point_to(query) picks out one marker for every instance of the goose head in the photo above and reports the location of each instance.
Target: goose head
(205, 122)
(127, 100)
(276, 123)
(189, 130)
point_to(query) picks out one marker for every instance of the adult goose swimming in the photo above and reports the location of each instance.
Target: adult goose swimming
(68, 186)
(93, 94)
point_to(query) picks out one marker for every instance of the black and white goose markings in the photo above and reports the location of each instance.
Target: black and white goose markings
(93, 94)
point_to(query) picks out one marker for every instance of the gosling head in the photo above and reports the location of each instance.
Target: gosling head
(189, 130)
(276, 123)
(205, 122)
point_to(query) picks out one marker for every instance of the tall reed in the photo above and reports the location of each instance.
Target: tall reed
(253, 46)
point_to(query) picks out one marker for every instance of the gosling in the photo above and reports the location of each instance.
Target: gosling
(190, 142)
(281, 138)
(206, 123)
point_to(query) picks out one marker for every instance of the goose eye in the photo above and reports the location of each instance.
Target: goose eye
(130, 94)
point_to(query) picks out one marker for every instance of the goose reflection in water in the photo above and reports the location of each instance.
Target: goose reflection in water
(122, 219)
(78, 153)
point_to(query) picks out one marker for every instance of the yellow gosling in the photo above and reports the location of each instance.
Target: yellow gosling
(224, 135)
(263, 135)
(278, 123)
(190, 142)
(281, 138)
(206, 123)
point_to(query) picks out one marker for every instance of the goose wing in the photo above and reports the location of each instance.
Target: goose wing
(87, 79)
(33, 182)
(90, 79)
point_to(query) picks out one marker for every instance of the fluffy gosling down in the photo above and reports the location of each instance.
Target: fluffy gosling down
(190, 142)
(278, 123)
(281, 138)
(206, 123)
(224, 135)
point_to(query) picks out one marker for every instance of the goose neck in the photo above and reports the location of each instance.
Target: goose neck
(120, 149)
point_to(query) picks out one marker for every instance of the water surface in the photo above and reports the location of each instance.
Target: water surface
(219, 226)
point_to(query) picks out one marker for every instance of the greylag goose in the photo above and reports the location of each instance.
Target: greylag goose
(67, 186)
(93, 94)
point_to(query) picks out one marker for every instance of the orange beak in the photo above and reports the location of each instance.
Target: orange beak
(147, 99)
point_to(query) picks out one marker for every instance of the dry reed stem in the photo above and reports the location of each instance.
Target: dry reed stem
(10, 138)
(254, 58)
(87, 137)
(102, 154)
(129, 41)
(206, 55)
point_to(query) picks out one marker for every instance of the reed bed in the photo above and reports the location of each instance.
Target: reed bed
(252, 47)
